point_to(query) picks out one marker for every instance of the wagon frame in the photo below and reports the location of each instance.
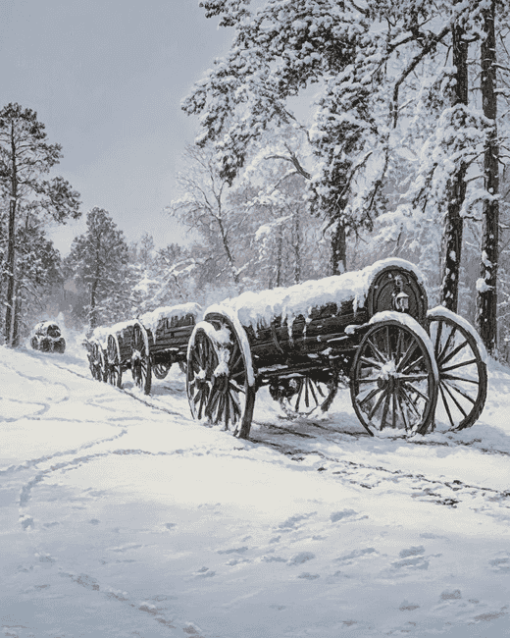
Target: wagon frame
(400, 360)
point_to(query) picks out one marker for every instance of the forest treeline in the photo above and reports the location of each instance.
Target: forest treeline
(333, 133)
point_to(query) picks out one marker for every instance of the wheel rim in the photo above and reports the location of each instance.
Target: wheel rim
(216, 384)
(160, 370)
(308, 395)
(462, 373)
(393, 383)
(140, 361)
(114, 371)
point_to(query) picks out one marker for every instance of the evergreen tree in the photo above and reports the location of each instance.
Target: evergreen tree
(98, 263)
(25, 159)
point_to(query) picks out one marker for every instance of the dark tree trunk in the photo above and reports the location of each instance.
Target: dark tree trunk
(457, 185)
(9, 310)
(338, 249)
(93, 319)
(297, 249)
(487, 290)
(279, 257)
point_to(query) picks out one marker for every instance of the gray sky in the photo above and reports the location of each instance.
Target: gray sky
(107, 78)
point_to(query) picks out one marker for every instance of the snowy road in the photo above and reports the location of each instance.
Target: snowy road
(122, 517)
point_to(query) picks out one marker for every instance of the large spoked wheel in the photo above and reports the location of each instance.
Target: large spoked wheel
(462, 369)
(141, 368)
(160, 370)
(393, 379)
(114, 370)
(301, 396)
(216, 380)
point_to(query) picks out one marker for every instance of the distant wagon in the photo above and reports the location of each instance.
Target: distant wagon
(48, 337)
(148, 345)
(406, 365)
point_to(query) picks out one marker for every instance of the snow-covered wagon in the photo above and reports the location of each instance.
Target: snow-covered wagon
(150, 344)
(406, 365)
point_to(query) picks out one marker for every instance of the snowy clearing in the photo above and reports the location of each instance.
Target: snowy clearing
(121, 517)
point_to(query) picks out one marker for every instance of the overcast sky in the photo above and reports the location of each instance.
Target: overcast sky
(107, 78)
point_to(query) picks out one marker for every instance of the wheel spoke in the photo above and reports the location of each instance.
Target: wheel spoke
(385, 409)
(369, 396)
(380, 356)
(446, 345)
(462, 364)
(460, 408)
(446, 406)
(407, 356)
(452, 377)
(462, 393)
(377, 404)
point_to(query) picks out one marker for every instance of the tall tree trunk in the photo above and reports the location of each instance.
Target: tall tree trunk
(230, 259)
(338, 249)
(487, 285)
(456, 189)
(16, 318)
(93, 310)
(297, 249)
(11, 261)
(279, 256)
(11, 254)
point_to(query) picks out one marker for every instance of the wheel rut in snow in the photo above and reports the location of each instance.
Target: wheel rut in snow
(417, 485)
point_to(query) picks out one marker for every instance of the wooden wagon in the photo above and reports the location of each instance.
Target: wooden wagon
(406, 365)
(150, 344)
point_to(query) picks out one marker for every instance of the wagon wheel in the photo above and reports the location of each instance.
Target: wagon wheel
(393, 379)
(160, 370)
(93, 360)
(217, 383)
(462, 370)
(141, 368)
(303, 395)
(114, 369)
(103, 365)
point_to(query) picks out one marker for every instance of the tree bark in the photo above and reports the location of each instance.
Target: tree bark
(456, 189)
(297, 249)
(9, 310)
(338, 249)
(487, 288)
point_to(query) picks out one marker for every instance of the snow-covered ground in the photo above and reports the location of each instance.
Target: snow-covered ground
(121, 517)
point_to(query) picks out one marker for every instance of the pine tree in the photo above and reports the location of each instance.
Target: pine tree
(98, 263)
(25, 159)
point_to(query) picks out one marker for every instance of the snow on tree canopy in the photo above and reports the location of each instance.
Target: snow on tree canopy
(260, 308)
(150, 320)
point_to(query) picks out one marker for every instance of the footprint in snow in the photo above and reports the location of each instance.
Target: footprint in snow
(348, 559)
(344, 514)
(451, 594)
(301, 558)
(411, 558)
(500, 565)
(204, 572)
(308, 576)
(293, 521)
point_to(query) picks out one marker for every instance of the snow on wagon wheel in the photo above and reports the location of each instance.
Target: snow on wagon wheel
(141, 368)
(217, 381)
(460, 358)
(114, 370)
(394, 378)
